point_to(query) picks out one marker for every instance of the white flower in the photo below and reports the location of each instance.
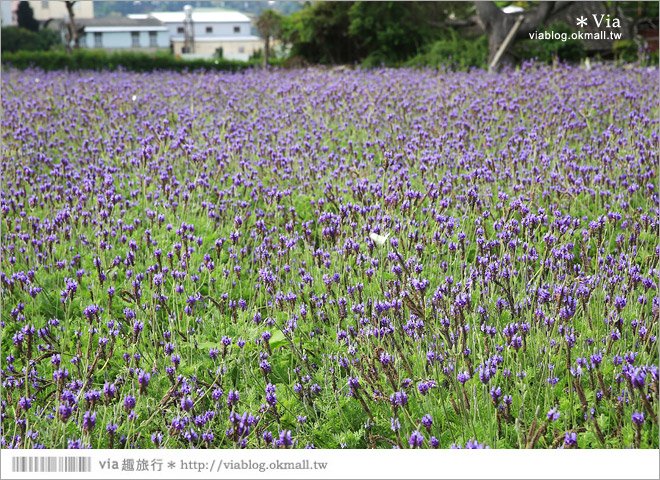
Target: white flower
(134, 97)
(378, 239)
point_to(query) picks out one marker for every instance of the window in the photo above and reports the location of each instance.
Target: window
(98, 40)
(237, 29)
(135, 39)
(241, 49)
(153, 39)
(83, 41)
(44, 5)
(179, 29)
(209, 29)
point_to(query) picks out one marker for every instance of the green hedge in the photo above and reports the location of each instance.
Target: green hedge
(101, 60)
(455, 52)
(15, 39)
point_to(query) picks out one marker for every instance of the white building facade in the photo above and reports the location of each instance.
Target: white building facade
(56, 10)
(115, 34)
(212, 30)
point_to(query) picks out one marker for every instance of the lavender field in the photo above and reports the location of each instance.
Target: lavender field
(325, 259)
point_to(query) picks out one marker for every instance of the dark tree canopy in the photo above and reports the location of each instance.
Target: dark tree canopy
(25, 17)
(319, 33)
(348, 32)
(390, 31)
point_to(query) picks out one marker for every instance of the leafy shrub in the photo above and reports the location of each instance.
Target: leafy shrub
(101, 60)
(547, 50)
(17, 38)
(460, 53)
(625, 50)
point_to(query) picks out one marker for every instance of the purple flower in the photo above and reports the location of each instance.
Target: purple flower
(64, 411)
(427, 421)
(399, 399)
(271, 397)
(496, 394)
(129, 403)
(143, 380)
(186, 403)
(463, 377)
(109, 390)
(89, 421)
(25, 403)
(425, 386)
(570, 439)
(232, 398)
(416, 439)
(284, 440)
(395, 424)
(553, 414)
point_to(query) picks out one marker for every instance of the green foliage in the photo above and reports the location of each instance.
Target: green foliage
(17, 38)
(546, 50)
(456, 52)
(319, 33)
(269, 23)
(390, 31)
(372, 33)
(100, 60)
(637, 10)
(625, 50)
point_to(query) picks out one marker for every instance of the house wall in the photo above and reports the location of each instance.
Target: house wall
(231, 50)
(45, 10)
(221, 29)
(224, 29)
(123, 40)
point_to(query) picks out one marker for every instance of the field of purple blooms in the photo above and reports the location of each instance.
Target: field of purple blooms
(359, 259)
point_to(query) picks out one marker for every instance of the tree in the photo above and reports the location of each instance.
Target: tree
(369, 32)
(269, 25)
(319, 33)
(391, 31)
(72, 33)
(498, 24)
(25, 17)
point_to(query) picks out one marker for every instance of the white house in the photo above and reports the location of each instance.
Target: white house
(112, 34)
(212, 30)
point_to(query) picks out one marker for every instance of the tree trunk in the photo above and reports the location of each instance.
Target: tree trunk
(496, 37)
(72, 33)
(71, 28)
(498, 24)
(266, 50)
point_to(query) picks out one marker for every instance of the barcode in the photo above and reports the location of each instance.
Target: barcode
(51, 464)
